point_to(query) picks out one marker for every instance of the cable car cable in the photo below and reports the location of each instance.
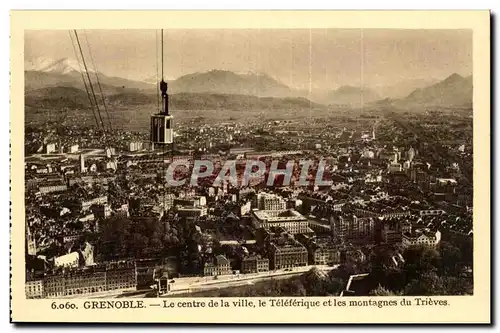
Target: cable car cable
(83, 79)
(98, 82)
(90, 81)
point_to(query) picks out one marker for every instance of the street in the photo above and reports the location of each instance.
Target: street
(192, 284)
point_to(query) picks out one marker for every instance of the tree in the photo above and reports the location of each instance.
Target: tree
(394, 279)
(426, 285)
(381, 291)
(315, 282)
(420, 260)
(296, 288)
(335, 286)
(457, 286)
(451, 257)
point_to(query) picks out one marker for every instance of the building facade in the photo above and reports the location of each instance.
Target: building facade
(187, 211)
(70, 260)
(291, 220)
(361, 228)
(288, 255)
(82, 282)
(326, 255)
(121, 276)
(254, 264)
(117, 276)
(219, 266)
(147, 270)
(52, 188)
(425, 238)
(34, 289)
(266, 201)
(392, 231)
(54, 286)
(86, 204)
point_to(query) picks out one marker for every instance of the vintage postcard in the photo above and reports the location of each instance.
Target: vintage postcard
(250, 166)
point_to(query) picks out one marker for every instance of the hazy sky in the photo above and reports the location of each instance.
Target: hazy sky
(317, 58)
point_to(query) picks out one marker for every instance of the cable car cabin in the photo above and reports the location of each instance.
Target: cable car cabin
(162, 129)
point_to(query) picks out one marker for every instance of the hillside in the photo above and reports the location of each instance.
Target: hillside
(402, 88)
(70, 97)
(44, 72)
(454, 91)
(352, 96)
(48, 83)
(227, 82)
(39, 80)
(57, 98)
(216, 81)
(188, 101)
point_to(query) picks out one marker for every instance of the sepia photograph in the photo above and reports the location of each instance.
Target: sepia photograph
(195, 164)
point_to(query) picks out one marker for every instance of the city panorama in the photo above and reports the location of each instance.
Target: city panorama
(248, 162)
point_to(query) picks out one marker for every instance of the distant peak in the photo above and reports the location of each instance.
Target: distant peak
(349, 88)
(222, 71)
(153, 79)
(240, 73)
(251, 73)
(59, 66)
(453, 77)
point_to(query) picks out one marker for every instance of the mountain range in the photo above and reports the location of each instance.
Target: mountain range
(455, 90)
(227, 82)
(74, 98)
(352, 96)
(403, 88)
(57, 66)
(43, 73)
(54, 82)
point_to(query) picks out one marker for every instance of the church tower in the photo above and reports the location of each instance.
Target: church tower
(30, 242)
(82, 164)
